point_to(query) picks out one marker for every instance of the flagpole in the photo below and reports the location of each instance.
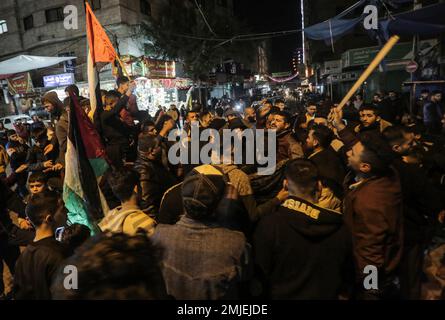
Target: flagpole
(123, 67)
(374, 64)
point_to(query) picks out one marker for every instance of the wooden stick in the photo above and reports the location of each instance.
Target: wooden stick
(123, 67)
(378, 58)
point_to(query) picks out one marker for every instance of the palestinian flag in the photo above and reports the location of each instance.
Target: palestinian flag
(100, 52)
(85, 163)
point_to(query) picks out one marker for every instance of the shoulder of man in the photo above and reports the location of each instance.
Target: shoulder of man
(139, 220)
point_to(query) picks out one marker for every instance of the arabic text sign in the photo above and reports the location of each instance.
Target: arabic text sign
(58, 80)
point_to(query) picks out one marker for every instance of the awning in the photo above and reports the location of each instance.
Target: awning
(335, 27)
(426, 21)
(24, 63)
(331, 29)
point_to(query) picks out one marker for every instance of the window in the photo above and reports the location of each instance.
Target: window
(53, 15)
(3, 26)
(222, 3)
(7, 121)
(28, 22)
(145, 7)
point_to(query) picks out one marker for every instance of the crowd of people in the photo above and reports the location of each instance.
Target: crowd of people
(353, 188)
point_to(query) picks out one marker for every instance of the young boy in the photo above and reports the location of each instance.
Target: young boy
(38, 264)
(37, 183)
(128, 217)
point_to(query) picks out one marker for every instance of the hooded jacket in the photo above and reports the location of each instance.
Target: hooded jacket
(52, 98)
(302, 250)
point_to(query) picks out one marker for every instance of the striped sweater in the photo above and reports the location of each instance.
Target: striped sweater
(127, 220)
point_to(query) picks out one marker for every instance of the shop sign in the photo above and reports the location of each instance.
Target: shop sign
(331, 67)
(58, 80)
(281, 74)
(20, 83)
(160, 69)
(364, 56)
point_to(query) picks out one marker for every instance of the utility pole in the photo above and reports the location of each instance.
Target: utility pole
(303, 45)
(417, 5)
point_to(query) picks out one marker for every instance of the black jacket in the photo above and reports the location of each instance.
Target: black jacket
(114, 129)
(36, 157)
(19, 156)
(36, 268)
(302, 250)
(9, 200)
(421, 202)
(155, 179)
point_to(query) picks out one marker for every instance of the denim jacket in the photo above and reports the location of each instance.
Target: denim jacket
(202, 260)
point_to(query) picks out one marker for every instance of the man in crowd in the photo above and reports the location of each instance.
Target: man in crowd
(302, 249)
(38, 264)
(116, 132)
(131, 110)
(433, 113)
(17, 151)
(421, 208)
(126, 268)
(396, 105)
(190, 117)
(279, 103)
(370, 120)
(250, 115)
(154, 177)
(311, 110)
(329, 165)
(420, 103)
(358, 101)
(203, 260)
(128, 217)
(287, 146)
(9, 252)
(373, 210)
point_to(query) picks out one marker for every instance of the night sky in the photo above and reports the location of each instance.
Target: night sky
(270, 16)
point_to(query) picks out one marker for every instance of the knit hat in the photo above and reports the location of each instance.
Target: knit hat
(203, 188)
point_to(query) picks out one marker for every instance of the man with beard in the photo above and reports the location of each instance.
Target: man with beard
(421, 206)
(287, 146)
(250, 115)
(370, 120)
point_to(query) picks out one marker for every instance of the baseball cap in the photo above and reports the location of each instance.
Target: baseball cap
(203, 188)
